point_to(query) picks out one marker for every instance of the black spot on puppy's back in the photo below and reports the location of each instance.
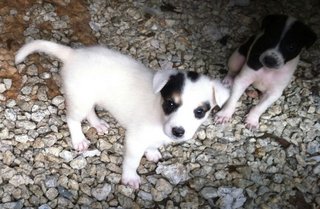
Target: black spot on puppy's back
(194, 76)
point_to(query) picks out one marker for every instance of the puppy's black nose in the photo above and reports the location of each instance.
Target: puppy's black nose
(270, 62)
(178, 131)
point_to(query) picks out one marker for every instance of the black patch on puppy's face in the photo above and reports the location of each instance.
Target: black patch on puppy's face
(290, 42)
(171, 93)
(272, 26)
(298, 36)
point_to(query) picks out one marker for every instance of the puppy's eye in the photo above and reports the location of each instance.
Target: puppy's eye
(292, 47)
(169, 106)
(169, 103)
(199, 112)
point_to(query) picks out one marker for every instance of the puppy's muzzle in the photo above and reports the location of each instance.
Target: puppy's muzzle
(270, 62)
(177, 131)
(271, 59)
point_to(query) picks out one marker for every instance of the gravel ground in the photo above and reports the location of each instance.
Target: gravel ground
(224, 166)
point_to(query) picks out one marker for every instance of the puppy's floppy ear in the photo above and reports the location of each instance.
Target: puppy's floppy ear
(161, 78)
(220, 93)
(272, 19)
(308, 36)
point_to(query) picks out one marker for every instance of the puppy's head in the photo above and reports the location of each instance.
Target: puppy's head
(281, 40)
(187, 99)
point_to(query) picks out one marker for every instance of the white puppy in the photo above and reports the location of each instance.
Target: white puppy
(155, 109)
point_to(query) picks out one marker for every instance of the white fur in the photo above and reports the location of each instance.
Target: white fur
(100, 76)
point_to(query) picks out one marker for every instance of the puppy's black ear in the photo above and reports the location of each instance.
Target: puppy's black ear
(161, 78)
(272, 19)
(308, 36)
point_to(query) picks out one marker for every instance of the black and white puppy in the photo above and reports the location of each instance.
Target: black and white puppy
(267, 61)
(154, 108)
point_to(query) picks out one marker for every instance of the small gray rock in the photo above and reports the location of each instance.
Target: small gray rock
(38, 116)
(29, 125)
(52, 193)
(44, 206)
(4, 134)
(58, 100)
(8, 157)
(10, 114)
(64, 192)
(316, 169)
(2, 88)
(162, 190)
(78, 163)
(18, 180)
(66, 155)
(209, 192)
(175, 173)
(91, 153)
(23, 138)
(313, 147)
(7, 82)
(11, 205)
(231, 198)
(32, 70)
(145, 195)
(51, 181)
(101, 193)
(26, 90)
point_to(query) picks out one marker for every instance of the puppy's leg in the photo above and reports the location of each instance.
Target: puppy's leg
(241, 82)
(267, 99)
(79, 141)
(153, 155)
(134, 150)
(77, 110)
(100, 125)
(235, 63)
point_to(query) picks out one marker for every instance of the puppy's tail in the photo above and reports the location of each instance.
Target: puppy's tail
(60, 51)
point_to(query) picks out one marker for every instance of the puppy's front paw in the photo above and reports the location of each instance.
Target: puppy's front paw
(222, 117)
(252, 122)
(131, 179)
(101, 127)
(81, 145)
(153, 155)
(228, 81)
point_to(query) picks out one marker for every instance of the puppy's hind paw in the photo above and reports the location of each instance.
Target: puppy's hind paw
(131, 179)
(81, 145)
(252, 123)
(228, 81)
(153, 155)
(101, 127)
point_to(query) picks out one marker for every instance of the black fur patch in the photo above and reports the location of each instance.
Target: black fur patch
(194, 76)
(172, 88)
(298, 36)
(201, 111)
(272, 25)
(244, 48)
